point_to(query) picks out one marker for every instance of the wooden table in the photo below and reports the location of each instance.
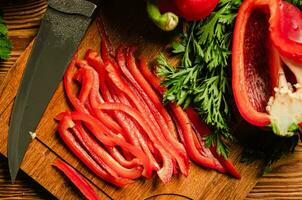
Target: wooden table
(23, 19)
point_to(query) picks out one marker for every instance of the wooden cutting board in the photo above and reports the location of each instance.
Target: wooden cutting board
(126, 23)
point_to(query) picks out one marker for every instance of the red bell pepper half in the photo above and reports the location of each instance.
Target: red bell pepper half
(267, 65)
(77, 179)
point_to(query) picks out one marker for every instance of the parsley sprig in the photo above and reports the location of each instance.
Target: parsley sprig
(5, 43)
(201, 77)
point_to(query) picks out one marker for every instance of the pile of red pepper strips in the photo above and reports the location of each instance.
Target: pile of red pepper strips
(119, 127)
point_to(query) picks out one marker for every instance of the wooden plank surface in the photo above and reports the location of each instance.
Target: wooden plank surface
(283, 182)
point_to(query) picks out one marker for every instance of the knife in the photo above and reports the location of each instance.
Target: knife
(61, 30)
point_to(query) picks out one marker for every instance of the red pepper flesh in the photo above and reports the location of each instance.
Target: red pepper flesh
(69, 140)
(252, 62)
(77, 179)
(286, 31)
(266, 62)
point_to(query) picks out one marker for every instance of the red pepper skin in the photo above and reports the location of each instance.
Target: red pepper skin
(153, 80)
(195, 9)
(98, 153)
(202, 130)
(239, 83)
(183, 124)
(96, 62)
(104, 137)
(123, 87)
(94, 97)
(121, 98)
(127, 124)
(82, 137)
(167, 173)
(120, 158)
(151, 93)
(104, 50)
(86, 79)
(143, 140)
(66, 123)
(286, 30)
(106, 119)
(181, 158)
(188, 138)
(78, 180)
(168, 6)
(67, 81)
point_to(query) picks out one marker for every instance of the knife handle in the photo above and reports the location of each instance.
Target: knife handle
(74, 7)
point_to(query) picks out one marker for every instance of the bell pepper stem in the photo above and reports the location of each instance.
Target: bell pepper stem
(284, 107)
(167, 21)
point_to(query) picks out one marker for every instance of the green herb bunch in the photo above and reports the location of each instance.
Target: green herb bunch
(5, 44)
(201, 77)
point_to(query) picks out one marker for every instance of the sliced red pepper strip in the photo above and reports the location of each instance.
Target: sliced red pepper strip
(121, 98)
(153, 80)
(182, 158)
(96, 62)
(90, 150)
(187, 131)
(77, 179)
(184, 126)
(94, 96)
(111, 97)
(114, 75)
(145, 87)
(101, 28)
(104, 50)
(166, 173)
(98, 153)
(202, 130)
(68, 81)
(151, 93)
(66, 123)
(86, 79)
(109, 140)
(120, 158)
(140, 105)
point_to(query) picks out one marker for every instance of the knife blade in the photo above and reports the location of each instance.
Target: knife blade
(61, 30)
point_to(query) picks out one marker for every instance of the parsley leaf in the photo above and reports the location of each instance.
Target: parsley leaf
(5, 43)
(201, 77)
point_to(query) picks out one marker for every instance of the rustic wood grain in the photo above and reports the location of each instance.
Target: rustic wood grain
(38, 164)
(283, 183)
(18, 190)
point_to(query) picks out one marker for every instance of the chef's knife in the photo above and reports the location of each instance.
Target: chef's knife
(61, 30)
